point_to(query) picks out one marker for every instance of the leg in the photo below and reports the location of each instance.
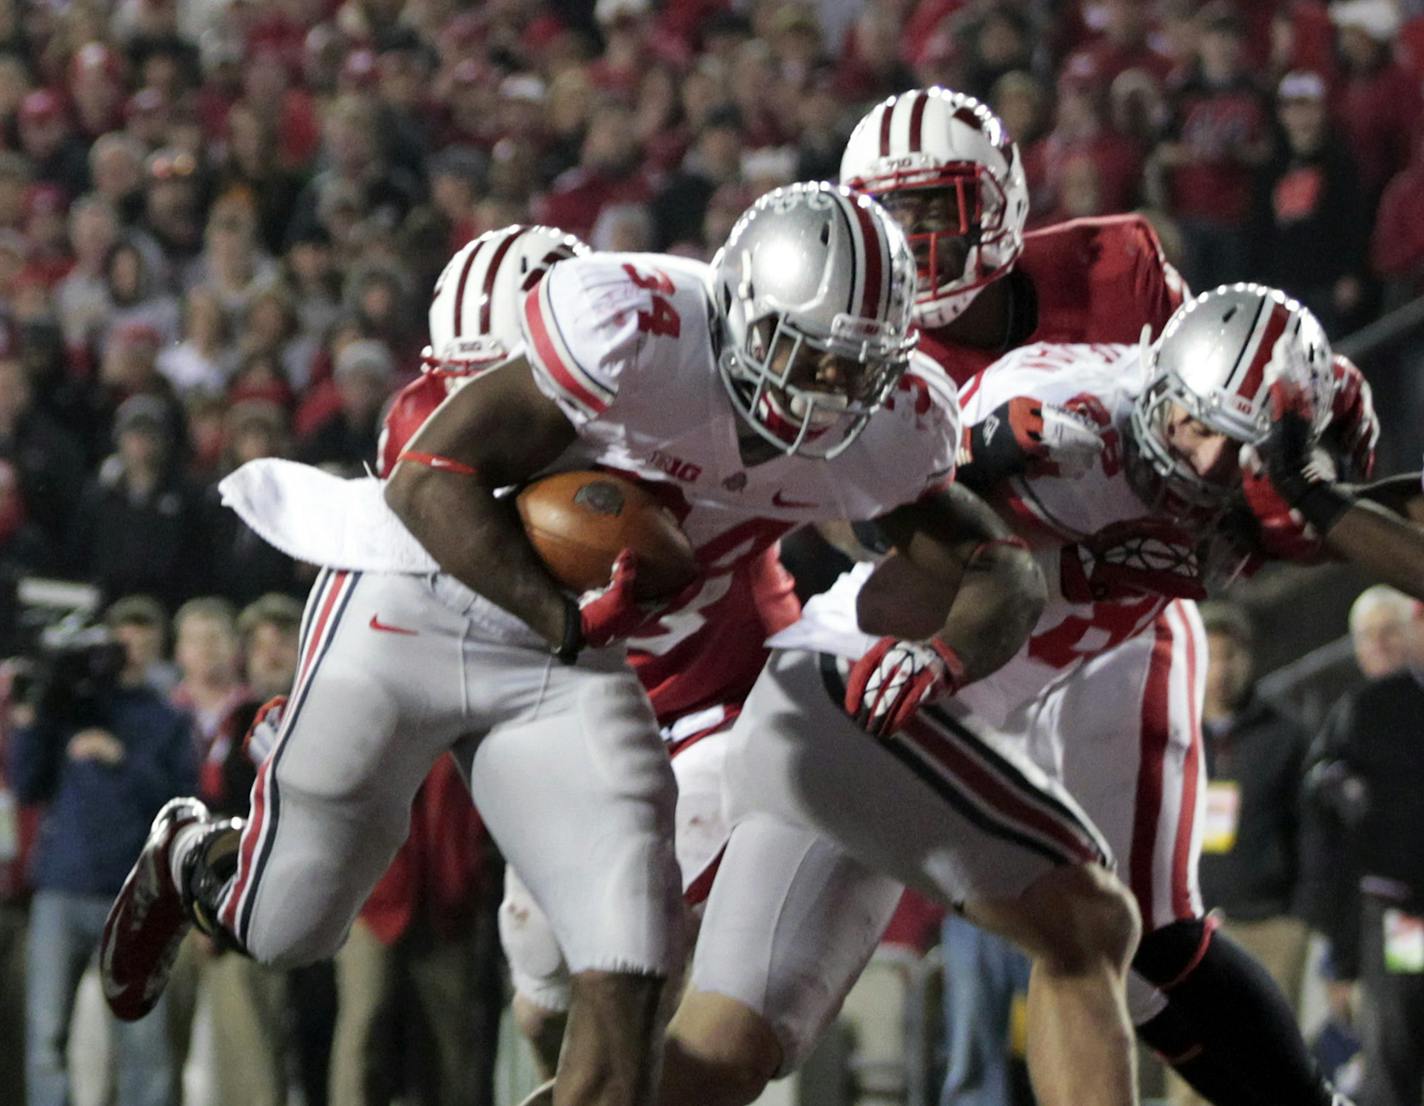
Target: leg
(363, 1060)
(56, 959)
(591, 757)
(978, 997)
(248, 1003)
(1201, 1002)
(959, 813)
(537, 971)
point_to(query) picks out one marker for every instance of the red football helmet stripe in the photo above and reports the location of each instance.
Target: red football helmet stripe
(1275, 326)
(917, 121)
(491, 273)
(460, 287)
(873, 245)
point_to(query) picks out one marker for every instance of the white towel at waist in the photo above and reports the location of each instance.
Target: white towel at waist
(323, 519)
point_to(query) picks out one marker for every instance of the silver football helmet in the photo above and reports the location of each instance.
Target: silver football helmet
(1217, 358)
(814, 291)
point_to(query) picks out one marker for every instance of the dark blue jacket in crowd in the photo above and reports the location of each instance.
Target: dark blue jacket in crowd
(98, 814)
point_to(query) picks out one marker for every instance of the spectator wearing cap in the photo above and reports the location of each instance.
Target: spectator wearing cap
(1083, 142)
(714, 160)
(1216, 136)
(58, 155)
(404, 68)
(364, 375)
(267, 87)
(820, 128)
(204, 359)
(1310, 231)
(147, 117)
(1255, 760)
(47, 460)
(47, 231)
(137, 527)
(470, 102)
(609, 171)
(457, 177)
(143, 625)
(625, 26)
(1379, 102)
(116, 168)
(309, 270)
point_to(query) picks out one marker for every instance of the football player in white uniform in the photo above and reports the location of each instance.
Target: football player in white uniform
(757, 393)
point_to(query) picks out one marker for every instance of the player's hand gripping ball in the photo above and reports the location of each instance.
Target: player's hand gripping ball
(578, 523)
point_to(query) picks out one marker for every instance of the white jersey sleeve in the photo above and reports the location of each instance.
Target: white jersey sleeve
(1051, 373)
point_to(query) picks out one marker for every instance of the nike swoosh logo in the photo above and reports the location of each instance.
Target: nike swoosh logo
(377, 624)
(778, 501)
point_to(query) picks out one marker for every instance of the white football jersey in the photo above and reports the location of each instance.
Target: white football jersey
(625, 345)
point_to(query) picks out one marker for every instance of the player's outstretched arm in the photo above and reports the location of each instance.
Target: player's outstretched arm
(953, 536)
(496, 431)
(1382, 534)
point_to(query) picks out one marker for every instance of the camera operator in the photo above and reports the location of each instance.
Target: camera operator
(104, 751)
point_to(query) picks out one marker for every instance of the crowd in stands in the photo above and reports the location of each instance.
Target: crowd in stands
(220, 220)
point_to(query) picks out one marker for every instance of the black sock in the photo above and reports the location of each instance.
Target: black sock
(1234, 1036)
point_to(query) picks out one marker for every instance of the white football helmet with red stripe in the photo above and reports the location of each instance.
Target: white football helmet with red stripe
(1217, 358)
(474, 313)
(814, 290)
(948, 146)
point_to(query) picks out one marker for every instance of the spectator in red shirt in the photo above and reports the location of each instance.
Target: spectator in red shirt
(1380, 103)
(1216, 137)
(1397, 248)
(1124, 43)
(47, 139)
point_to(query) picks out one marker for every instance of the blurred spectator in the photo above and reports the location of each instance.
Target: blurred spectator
(715, 159)
(18, 826)
(232, 263)
(136, 528)
(608, 171)
(16, 176)
(47, 461)
(95, 84)
(267, 88)
(241, 566)
(136, 295)
(173, 211)
(625, 26)
(143, 624)
(252, 168)
(203, 360)
(820, 128)
(1309, 229)
(457, 177)
(81, 298)
(983, 975)
(311, 272)
(1379, 99)
(1363, 790)
(1397, 247)
(623, 228)
(1125, 43)
(870, 67)
(116, 169)
(999, 41)
(1216, 135)
(364, 375)
(1083, 147)
(105, 753)
(1255, 757)
(1018, 99)
(59, 157)
(1379, 631)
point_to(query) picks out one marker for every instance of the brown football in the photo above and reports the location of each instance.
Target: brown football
(579, 521)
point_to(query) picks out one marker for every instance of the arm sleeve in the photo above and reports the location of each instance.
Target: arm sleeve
(36, 753)
(1160, 288)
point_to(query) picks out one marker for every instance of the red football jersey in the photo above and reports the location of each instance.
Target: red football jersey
(1095, 280)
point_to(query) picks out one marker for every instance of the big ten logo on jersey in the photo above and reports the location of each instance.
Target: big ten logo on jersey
(1091, 407)
(662, 319)
(675, 467)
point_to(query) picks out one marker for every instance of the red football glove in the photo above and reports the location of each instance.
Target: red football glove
(1282, 532)
(1026, 436)
(1144, 556)
(895, 678)
(1354, 429)
(611, 613)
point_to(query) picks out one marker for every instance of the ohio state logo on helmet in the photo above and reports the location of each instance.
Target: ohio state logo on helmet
(946, 146)
(474, 312)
